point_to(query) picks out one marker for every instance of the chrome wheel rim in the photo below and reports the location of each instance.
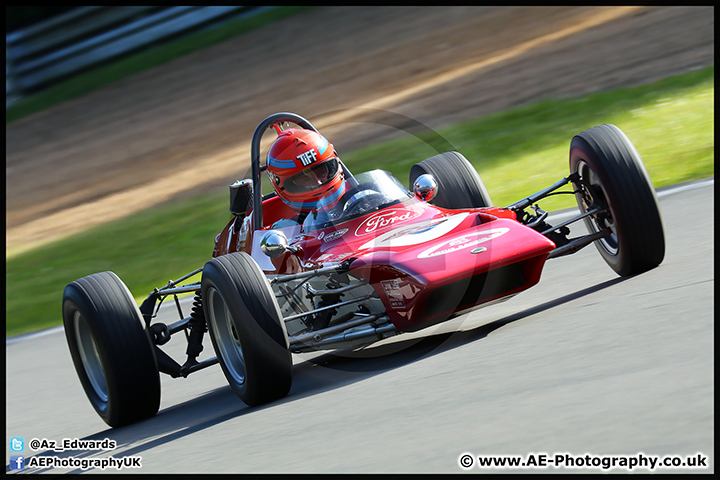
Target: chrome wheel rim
(226, 336)
(90, 356)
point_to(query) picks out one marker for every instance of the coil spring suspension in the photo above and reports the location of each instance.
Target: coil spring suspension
(197, 313)
(198, 327)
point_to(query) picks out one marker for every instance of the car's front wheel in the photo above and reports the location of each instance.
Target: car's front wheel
(111, 349)
(246, 328)
(459, 185)
(613, 177)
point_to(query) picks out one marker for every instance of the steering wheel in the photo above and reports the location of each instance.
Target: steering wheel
(364, 201)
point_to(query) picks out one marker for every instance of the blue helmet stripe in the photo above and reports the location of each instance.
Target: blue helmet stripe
(323, 146)
(277, 163)
(331, 199)
(316, 203)
(300, 206)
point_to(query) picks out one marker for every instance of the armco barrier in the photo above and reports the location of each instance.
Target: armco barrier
(84, 37)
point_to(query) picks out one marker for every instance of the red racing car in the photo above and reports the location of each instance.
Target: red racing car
(375, 260)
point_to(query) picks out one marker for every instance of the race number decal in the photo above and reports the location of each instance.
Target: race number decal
(465, 241)
(416, 233)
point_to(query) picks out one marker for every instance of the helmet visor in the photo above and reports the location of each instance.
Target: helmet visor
(312, 177)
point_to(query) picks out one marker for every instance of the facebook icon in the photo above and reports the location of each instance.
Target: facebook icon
(17, 462)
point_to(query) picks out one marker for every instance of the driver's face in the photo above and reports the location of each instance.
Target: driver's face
(313, 176)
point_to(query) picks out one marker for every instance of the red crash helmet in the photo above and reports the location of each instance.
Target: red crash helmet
(303, 167)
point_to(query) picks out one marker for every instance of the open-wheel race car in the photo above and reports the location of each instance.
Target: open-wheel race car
(371, 260)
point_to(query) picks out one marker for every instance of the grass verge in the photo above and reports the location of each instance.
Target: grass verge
(520, 151)
(516, 153)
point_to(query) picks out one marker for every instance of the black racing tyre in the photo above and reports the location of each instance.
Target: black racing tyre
(459, 185)
(613, 175)
(111, 349)
(246, 328)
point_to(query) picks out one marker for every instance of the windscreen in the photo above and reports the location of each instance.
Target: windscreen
(365, 193)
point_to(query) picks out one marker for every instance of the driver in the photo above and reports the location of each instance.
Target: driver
(303, 168)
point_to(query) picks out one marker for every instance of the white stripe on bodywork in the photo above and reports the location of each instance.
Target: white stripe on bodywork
(462, 242)
(416, 233)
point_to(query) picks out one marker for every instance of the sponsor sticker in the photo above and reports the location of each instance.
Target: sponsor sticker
(393, 293)
(307, 158)
(334, 235)
(384, 219)
(460, 243)
(332, 257)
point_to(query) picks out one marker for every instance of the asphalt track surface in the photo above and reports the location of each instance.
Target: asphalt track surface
(583, 363)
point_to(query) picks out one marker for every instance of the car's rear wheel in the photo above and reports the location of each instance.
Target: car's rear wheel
(613, 176)
(111, 349)
(459, 185)
(246, 328)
